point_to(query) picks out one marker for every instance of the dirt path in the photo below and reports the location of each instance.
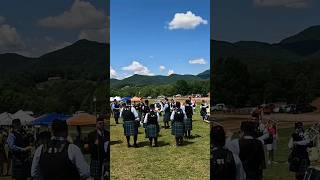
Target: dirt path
(233, 121)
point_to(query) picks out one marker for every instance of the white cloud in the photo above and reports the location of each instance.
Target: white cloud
(98, 34)
(170, 72)
(82, 14)
(197, 61)
(2, 19)
(285, 3)
(186, 20)
(113, 73)
(162, 68)
(10, 40)
(137, 68)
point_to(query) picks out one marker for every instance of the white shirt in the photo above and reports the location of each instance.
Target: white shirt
(304, 142)
(146, 118)
(184, 114)
(75, 155)
(134, 111)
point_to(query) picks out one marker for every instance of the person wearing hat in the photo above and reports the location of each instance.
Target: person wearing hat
(152, 121)
(178, 118)
(299, 157)
(250, 151)
(20, 149)
(188, 122)
(224, 165)
(58, 159)
(116, 111)
(167, 113)
(98, 147)
(131, 123)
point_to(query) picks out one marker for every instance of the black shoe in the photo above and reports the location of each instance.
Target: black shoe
(129, 145)
(135, 145)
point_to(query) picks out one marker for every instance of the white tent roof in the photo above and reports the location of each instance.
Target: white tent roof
(118, 98)
(23, 116)
(6, 119)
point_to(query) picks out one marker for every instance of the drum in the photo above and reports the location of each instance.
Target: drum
(313, 173)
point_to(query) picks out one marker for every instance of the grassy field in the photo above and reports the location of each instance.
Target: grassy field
(190, 161)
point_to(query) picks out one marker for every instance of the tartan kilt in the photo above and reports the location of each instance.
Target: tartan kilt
(95, 168)
(152, 131)
(178, 129)
(188, 124)
(203, 113)
(116, 114)
(21, 169)
(166, 117)
(130, 128)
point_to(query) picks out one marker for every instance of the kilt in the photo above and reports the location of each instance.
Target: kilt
(298, 162)
(116, 114)
(95, 168)
(3, 155)
(203, 113)
(166, 117)
(188, 124)
(152, 131)
(21, 169)
(178, 129)
(130, 128)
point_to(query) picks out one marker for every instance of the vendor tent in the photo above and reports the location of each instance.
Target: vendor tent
(6, 119)
(82, 119)
(24, 117)
(136, 99)
(48, 118)
(126, 99)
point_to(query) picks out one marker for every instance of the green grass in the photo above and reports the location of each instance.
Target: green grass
(190, 161)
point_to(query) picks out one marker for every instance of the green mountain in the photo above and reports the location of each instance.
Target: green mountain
(141, 80)
(82, 60)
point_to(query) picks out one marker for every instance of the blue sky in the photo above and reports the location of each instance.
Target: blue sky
(262, 20)
(142, 39)
(35, 27)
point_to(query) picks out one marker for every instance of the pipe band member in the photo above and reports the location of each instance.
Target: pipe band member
(116, 110)
(58, 159)
(250, 151)
(167, 113)
(188, 122)
(178, 117)
(203, 110)
(299, 157)
(131, 123)
(152, 121)
(20, 150)
(99, 148)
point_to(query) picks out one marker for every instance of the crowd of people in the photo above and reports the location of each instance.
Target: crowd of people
(176, 116)
(26, 153)
(252, 151)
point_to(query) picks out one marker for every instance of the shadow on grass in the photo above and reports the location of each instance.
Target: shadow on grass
(193, 136)
(186, 143)
(116, 142)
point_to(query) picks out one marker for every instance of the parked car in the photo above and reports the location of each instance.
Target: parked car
(268, 108)
(149, 97)
(219, 107)
(302, 108)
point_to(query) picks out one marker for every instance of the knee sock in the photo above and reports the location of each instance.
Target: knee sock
(135, 138)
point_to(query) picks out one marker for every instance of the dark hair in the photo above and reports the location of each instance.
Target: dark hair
(16, 123)
(166, 99)
(188, 101)
(218, 136)
(146, 101)
(128, 101)
(59, 128)
(248, 127)
(178, 104)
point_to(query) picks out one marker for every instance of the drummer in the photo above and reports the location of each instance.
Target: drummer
(299, 157)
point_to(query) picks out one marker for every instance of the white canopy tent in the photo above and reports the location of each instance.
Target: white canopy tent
(24, 117)
(6, 119)
(118, 98)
